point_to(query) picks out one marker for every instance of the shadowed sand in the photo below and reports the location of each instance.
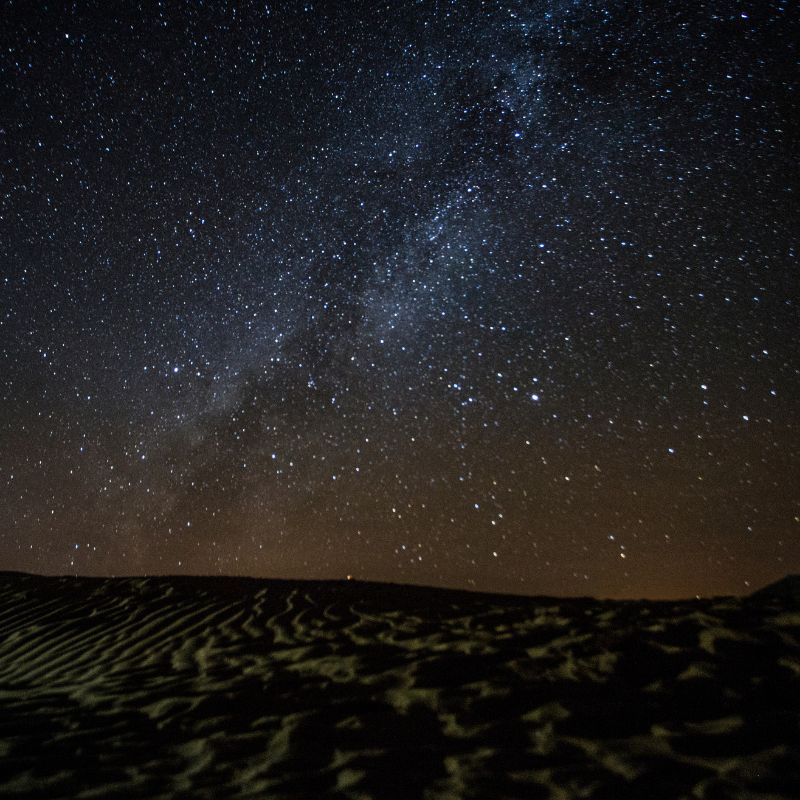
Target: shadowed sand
(227, 687)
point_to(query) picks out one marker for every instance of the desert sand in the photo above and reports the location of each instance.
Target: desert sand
(230, 687)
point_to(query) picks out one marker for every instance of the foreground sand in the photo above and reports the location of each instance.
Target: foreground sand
(223, 687)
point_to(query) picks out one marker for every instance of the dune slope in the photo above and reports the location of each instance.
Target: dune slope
(223, 687)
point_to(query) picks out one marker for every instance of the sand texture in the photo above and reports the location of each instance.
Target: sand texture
(228, 687)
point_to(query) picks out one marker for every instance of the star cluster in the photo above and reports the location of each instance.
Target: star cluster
(492, 295)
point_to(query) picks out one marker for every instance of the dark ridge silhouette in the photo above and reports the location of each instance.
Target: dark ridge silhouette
(787, 588)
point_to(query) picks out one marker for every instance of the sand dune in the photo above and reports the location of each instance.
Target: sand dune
(222, 687)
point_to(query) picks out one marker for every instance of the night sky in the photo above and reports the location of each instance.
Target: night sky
(501, 296)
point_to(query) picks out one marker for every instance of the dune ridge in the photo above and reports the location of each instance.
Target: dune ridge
(234, 687)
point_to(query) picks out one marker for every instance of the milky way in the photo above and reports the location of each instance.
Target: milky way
(492, 295)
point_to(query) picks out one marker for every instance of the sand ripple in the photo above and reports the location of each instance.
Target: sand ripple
(213, 688)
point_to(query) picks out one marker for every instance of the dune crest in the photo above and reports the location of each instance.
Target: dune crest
(787, 588)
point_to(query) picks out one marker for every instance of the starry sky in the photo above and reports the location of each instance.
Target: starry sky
(492, 295)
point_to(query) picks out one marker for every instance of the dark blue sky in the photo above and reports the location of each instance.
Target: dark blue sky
(500, 296)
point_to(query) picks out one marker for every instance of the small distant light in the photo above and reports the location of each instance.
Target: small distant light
(535, 398)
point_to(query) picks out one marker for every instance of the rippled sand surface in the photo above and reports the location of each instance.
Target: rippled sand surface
(227, 687)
